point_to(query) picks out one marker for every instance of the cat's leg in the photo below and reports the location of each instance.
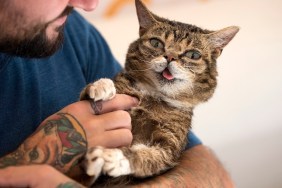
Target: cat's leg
(103, 89)
(151, 160)
(139, 160)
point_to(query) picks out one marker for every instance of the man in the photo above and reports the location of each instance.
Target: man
(47, 56)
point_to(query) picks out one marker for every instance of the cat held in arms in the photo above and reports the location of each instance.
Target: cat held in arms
(170, 68)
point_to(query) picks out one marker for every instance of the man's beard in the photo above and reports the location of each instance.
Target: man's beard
(35, 42)
(36, 47)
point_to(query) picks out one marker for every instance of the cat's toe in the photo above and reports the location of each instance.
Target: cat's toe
(94, 162)
(116, 164)
(103, 89)
(91, 91)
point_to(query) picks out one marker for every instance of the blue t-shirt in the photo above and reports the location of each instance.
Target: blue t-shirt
(33, 89)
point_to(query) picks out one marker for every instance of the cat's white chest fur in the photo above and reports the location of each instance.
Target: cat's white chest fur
(148, 92)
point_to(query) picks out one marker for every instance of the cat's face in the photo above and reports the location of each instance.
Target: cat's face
(174, 57)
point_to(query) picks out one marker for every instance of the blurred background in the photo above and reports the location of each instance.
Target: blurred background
(242, 123)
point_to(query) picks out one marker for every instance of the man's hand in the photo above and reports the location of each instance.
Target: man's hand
(112, 128)
(62, 139)
(35, 176)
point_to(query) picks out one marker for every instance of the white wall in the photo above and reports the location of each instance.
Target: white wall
(242, 123)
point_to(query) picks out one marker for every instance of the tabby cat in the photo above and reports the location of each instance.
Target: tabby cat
(170, 68)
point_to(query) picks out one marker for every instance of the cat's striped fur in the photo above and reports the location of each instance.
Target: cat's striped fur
(171, 68)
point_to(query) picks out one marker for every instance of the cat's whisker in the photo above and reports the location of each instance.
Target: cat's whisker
(143, 60)
(148, 54)
(137, 70)
(190, 87)
(191, 70)
(194, 74)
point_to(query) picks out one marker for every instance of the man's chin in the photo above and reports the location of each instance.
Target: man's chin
(37, 47)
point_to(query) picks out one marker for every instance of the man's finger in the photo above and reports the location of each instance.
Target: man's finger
(119, 138)
(15, 177)
(114, 120)
(119, 102)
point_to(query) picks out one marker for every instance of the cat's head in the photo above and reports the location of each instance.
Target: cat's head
(174, 58)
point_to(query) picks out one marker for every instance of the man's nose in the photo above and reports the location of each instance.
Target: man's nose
(87, 5)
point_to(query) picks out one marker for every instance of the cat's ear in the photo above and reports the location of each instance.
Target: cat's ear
(145, 17)
(219, 39)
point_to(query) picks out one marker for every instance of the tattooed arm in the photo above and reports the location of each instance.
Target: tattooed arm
(60, 141)
(198, 167)
(47, 176)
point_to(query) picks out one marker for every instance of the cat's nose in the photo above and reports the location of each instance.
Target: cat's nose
(170, 58)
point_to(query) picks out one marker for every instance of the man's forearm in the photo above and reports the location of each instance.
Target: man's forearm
(198, 167)
(60, 141)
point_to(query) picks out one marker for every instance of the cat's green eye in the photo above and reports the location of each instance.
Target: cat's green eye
(193, 54)
(156, 43)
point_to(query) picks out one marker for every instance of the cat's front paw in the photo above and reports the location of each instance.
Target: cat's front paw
(103, 89)
(116, 164)
(109, 161)
(94, 162)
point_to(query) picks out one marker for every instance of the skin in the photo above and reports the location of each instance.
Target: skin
(35, 24)
(32, 13)
(189, 173)
(46, 175)
(78, 120)
(117, 122)
(81, 116)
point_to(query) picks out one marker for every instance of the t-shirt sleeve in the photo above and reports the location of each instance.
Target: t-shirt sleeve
(91, 49)
(193, 140)
(101, 62)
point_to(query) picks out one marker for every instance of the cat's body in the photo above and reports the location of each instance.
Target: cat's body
(170, 69)
(159, 128)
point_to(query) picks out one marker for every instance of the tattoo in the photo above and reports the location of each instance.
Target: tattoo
(70, 185)
(33, 155)
(60, 142)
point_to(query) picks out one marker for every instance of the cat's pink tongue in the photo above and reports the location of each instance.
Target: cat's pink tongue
(167, 74)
